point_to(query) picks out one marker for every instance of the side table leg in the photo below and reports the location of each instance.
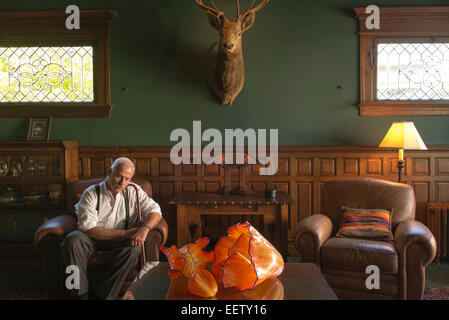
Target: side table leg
(284, 231)
(193, 222)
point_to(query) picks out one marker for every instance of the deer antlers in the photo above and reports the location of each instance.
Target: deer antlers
(214, 10)
(248, 11)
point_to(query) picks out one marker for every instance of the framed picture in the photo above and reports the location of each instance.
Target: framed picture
(39, 129)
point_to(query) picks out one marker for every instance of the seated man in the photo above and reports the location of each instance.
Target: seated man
(110, 222)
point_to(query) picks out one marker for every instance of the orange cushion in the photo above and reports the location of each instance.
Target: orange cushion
(373, 224)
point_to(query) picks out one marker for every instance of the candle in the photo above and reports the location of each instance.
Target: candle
(401, 154)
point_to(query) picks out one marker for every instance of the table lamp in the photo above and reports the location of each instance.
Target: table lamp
(402, 135)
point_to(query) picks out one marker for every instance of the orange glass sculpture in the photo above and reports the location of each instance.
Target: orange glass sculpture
(190, 261)
(244, 258)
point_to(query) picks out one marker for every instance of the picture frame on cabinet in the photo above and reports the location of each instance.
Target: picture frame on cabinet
(39, 129)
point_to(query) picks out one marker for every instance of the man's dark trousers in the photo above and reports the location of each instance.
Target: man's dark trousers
(77, 247)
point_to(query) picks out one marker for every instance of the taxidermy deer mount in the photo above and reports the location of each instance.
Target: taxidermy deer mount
(229, 73)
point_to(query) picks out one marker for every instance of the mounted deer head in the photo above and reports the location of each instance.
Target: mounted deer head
(229, 73)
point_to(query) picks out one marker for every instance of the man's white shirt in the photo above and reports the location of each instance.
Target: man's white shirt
(112, 213)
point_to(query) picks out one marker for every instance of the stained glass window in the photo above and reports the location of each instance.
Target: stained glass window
(413, 71)
(46, 74)
(404, 61)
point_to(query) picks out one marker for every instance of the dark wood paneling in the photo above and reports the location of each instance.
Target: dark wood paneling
(143, 166)
(189, 187)
(302, 173)
(188, 169)
(442, 193)
(283, 167)
(351, 167)
(212, 170)
(212, 187)
(422, 195)
(165, 167)
(421, 167)
(374, 167)
(258, 186)
(97, 167)
(304, 167)
(442, 167)
(304, 200)
(327, 167)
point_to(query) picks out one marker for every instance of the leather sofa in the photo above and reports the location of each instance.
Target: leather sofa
(343, 261)
(50, 234)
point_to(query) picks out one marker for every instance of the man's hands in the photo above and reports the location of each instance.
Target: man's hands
(137, 236)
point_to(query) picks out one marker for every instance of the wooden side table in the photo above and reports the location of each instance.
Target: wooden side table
(191, 206)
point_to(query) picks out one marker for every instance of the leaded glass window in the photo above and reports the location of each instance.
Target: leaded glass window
(413, 71)
(404, 61)
(46, 74)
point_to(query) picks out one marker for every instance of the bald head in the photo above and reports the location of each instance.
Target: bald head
(122, 162)
(120, 174)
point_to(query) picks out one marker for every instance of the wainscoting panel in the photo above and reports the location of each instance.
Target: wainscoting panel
(302, 172)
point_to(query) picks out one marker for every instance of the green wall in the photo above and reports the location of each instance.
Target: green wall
(296, 55)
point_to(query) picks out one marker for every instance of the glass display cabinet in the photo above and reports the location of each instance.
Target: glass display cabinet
(33, 181)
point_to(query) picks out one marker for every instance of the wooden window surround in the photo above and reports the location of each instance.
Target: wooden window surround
(48, 28)
(399, 25)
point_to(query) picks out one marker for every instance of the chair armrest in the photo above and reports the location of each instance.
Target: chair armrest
(156, 238)
(57, 227)
(416, 246)
(162, 228)
(412, 232)
(310, 234)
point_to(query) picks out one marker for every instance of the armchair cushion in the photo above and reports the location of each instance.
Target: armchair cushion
(370, 224)
(357, 254)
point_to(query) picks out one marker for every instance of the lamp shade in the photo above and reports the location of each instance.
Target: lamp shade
(403, 135)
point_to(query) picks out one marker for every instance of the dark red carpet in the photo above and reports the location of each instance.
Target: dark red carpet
(436, 293)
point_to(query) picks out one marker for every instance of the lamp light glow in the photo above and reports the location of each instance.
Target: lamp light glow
(402, 135)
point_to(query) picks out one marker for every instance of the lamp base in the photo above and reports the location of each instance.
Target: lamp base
(400, 168)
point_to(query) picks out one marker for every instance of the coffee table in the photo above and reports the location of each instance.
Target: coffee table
(299, 281)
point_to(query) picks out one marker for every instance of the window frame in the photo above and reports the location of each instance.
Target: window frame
(398, 24)
(47, 28)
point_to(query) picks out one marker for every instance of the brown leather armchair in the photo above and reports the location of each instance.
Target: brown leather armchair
(50, 234)
(343, 261)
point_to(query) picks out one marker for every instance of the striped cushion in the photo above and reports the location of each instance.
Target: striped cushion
(373, 224)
